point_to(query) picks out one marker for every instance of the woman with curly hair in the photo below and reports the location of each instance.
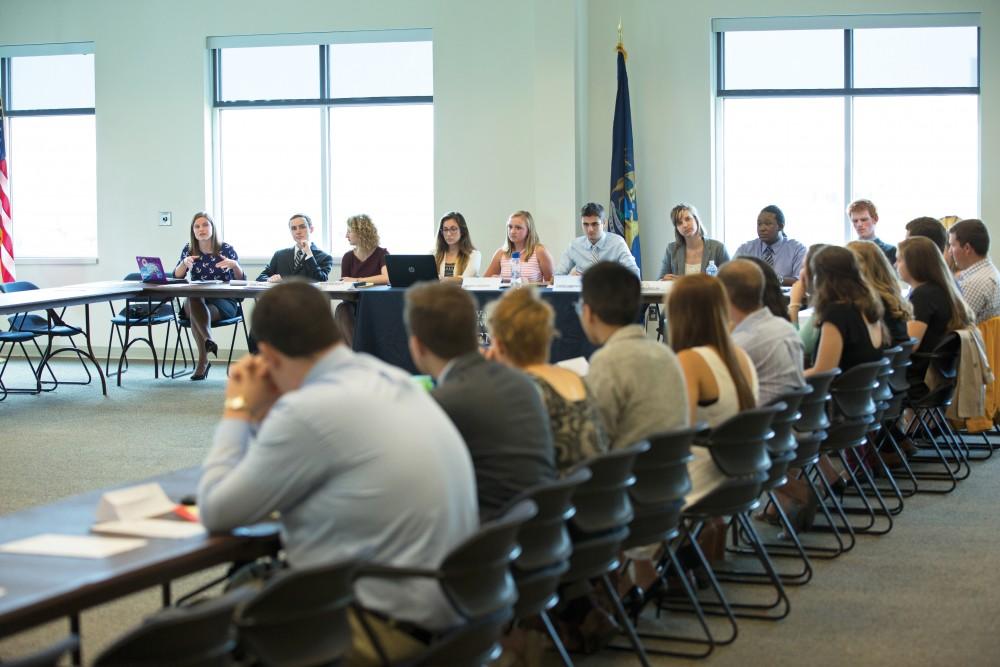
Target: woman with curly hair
(878, 273)
(366, 262)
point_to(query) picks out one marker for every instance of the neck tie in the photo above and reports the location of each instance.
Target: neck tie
(769, 255)
(594, 255)
(299, 258)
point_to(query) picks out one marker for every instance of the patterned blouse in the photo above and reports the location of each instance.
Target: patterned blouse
(577, 430)
(204, 267)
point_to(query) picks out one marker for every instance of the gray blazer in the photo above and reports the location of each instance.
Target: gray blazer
(501, 416)
(673, 258)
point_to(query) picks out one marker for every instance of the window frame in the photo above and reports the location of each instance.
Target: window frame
(6, 55)
(848, 24)
(325, 101)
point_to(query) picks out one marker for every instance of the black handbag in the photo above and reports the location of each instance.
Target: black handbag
(140, 310)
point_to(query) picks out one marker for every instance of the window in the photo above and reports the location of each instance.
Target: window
(52, 152)
(815, 116)
(329, 130)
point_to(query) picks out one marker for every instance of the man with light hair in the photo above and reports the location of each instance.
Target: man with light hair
(864, 217)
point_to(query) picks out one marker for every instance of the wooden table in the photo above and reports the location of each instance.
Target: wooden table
(42, 589)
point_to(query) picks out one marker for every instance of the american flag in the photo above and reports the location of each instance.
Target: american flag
(6, 241)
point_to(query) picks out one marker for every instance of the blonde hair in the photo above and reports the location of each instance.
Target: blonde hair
(529, 243)
(524, 324)
(878, 273)
(365, 230)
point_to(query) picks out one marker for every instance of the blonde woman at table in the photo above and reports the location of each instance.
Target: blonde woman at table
(204, 257)
(536, 262)
(454, 254)
(364, 263)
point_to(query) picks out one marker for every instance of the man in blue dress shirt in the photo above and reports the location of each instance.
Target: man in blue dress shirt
(774, 247)
(596, 245)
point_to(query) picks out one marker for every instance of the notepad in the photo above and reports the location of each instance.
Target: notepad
(72, 546)
(152, 528)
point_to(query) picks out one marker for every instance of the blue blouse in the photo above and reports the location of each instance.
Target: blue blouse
(204, 267)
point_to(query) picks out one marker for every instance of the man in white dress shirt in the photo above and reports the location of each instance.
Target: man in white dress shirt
(596, 245)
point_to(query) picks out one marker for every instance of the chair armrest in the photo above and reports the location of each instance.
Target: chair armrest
(390, 572)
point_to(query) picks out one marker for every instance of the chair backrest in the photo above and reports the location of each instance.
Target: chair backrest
(300, 616)
(900, 363)
(545, 543)
(739, 445)
(661, 482)
(47, 657)
(884, 390)
(17, 286)
(602, 502)
(945, 355)
(475, 576)
(853, 390)
(197, 636)
(783, 442)
(813, 408)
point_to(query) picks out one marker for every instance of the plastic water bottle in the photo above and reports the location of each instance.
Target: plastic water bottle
(712, 269)
(515, 269)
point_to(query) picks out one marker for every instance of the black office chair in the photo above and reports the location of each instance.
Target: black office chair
(738, 447)
(657, 498)
(139, 312)
(47, 657)
(184, 324)
(299, 617)
(476, 580)
(197, 636)
(51, 326)
(600, 526)
(12, 339)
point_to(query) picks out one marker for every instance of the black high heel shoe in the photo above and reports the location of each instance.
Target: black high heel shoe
(204, 374)
(211, 346)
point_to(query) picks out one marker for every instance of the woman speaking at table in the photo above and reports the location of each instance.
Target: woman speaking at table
(536, 263)
(207, 258)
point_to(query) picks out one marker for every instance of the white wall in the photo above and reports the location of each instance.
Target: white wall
(523, 99)
(671, 81)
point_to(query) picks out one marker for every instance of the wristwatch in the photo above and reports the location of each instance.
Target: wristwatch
(237, 403)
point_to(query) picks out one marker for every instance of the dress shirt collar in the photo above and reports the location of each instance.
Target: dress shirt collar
(585, 242)
(977, 267)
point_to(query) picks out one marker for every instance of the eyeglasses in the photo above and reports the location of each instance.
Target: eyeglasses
(450, 230)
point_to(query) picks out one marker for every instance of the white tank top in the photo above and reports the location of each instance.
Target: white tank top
(728, 403)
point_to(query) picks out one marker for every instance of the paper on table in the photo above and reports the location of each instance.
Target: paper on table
(481, 283)
(72, 546)
(571, 283)
(134, 502)
(150, 528)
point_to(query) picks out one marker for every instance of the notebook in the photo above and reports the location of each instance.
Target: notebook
(151, 271)
(405, 270)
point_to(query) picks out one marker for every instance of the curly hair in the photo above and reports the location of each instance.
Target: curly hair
(524, 324)
(364, 228)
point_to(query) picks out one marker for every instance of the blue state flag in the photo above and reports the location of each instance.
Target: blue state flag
(624, 218)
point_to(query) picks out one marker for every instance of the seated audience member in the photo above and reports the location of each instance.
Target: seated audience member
(772, 342)
(774, 247)
(720, 377)
(948, 221)
(877, 272)
(521, 327)
(937, 305)
(774, 298)
(364, 263)
(304, 433)
(864, 217)
(637, 382)
(690, 252)
(536, 262)
(847, 310)
(454, 253)
(497, 409)
(596, 245)
(206, 257)
(303, 259)
(928, 228)
(978, 279)
(798, 299)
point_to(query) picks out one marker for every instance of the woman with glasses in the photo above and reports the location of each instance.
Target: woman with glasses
(454, 253)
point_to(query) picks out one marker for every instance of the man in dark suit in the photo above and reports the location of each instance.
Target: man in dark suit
(497, 409)
(302, 259)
